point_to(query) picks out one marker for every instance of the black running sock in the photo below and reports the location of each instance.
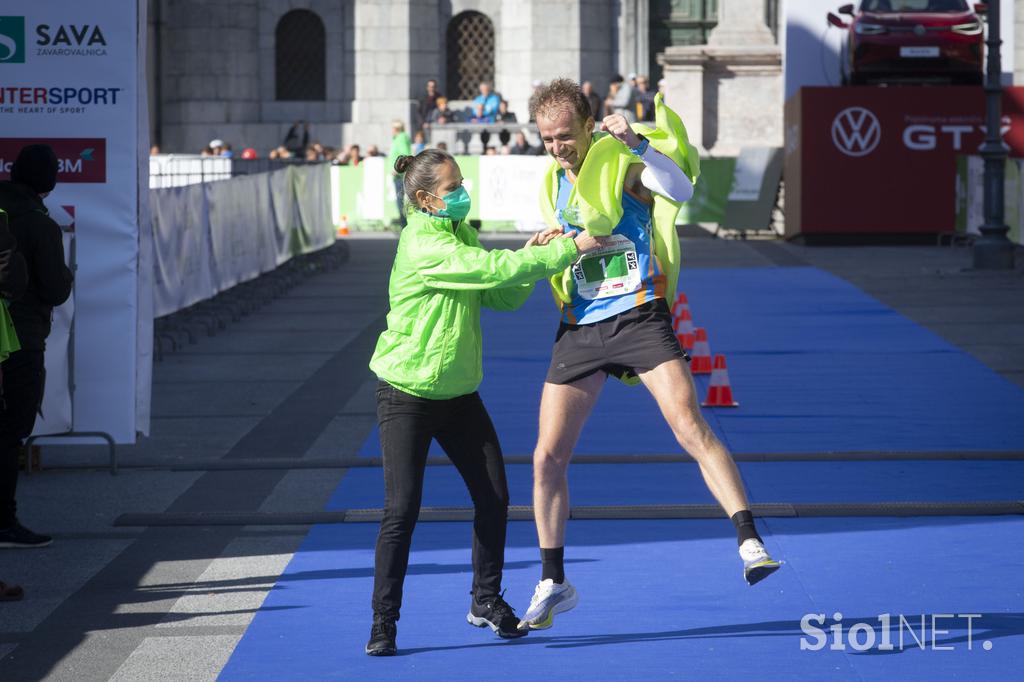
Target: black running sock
(552, 564)
(745, 530)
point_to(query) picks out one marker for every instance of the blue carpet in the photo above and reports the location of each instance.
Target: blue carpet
(659, 600)
(796, 482)
(816, 364)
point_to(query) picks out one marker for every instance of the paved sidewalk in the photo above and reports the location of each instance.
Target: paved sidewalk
(242, 423)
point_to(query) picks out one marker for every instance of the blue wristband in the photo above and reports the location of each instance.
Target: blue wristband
(641, 148)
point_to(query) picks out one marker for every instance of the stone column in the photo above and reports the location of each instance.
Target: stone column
(383, 74)
(729, 92)
(741, 23)
(634, 36)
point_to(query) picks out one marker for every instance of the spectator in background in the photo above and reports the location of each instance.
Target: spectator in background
(442, 114)
(428, 103)
(373, 150)
(154, 150)
(490, 151)
(486, 104)
(419, 142)
(521, 146)
(297, 138)
(40, 242)
(401, 145)
(593, 99)
(620, 99)
(354, 155)
(504, 115)
(225, 151)
(279, 153)
(505, 151)
(443, 146)
(644, 100)
(311, 154)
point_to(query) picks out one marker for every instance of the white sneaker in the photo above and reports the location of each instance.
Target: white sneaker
(548, 599)
(757, 564)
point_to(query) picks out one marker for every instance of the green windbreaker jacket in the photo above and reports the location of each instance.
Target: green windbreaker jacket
(441, 277)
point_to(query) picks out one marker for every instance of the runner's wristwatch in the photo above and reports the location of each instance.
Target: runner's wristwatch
(641, 148)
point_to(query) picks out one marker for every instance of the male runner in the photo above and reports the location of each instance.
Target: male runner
(615, 319)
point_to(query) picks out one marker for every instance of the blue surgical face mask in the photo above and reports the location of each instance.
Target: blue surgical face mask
(456, 204)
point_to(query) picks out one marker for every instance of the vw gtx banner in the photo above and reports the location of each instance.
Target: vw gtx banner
(884, 160)
(71, 75)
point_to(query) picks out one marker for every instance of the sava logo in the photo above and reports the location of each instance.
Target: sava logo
(12, 40)
(70, 40)
(60, 40)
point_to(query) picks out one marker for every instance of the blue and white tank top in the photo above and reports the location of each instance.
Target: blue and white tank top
(619, 277)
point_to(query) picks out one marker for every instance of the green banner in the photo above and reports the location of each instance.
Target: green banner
(350, 196)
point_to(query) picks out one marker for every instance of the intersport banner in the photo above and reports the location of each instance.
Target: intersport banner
(71, 75)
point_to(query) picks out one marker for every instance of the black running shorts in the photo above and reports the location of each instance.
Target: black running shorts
(635, 341)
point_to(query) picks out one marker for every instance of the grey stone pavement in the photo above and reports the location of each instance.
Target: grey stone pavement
(238, 420)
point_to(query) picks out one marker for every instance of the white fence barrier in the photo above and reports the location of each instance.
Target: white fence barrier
(209, 237)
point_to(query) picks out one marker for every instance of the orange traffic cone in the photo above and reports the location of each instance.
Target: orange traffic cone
(343, 226)
(680, 305)
(683, 326)
(700, 359)
(719, 391)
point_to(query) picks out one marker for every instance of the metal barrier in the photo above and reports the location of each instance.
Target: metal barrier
(474, 137)
(178, 170)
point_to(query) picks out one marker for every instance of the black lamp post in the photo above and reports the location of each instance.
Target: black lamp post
(993, 250)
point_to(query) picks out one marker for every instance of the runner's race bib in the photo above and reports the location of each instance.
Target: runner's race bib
(610, 271)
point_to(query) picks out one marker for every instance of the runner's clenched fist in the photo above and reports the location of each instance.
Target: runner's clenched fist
(618, 126)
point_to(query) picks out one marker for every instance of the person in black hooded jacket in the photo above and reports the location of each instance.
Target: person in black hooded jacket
(13, 280)
(40, 243)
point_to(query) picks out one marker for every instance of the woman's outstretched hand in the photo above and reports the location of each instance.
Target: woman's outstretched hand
(542, 238)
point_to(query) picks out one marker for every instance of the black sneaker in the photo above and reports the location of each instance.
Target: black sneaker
(495, 613)
(20, 536)
(382, 638)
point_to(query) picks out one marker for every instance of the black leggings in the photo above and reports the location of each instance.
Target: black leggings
(24, 377)
(464, 429)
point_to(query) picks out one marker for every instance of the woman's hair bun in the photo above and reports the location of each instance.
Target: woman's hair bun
(402, 163)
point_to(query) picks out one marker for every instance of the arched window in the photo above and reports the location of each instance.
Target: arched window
(300, 56)
(470, 42)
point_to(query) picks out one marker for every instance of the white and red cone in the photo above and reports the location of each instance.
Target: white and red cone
(719, 390)
(700, 358)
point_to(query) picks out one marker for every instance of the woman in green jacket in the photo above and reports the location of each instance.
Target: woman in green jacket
(429, 364)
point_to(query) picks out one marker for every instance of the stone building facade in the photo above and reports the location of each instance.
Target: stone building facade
(244, 70)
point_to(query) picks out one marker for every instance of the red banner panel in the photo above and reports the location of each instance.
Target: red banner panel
(80, 159)
(882, 160)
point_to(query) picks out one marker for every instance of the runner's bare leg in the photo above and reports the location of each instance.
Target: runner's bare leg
(672, 387)
(564, 409)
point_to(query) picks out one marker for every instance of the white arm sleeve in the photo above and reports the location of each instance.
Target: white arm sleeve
(664, 177)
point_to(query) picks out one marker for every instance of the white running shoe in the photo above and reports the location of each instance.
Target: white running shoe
(548, 599)
(757, 564)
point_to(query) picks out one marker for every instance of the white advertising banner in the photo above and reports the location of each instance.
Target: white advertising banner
(510, 188)
(238, 243)
(71, 76)
(55, 414)
(181, 253)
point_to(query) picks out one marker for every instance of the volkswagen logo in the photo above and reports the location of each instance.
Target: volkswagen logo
(920, 30)
(856, 131)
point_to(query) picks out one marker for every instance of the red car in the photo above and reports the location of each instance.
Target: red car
(921, 41)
